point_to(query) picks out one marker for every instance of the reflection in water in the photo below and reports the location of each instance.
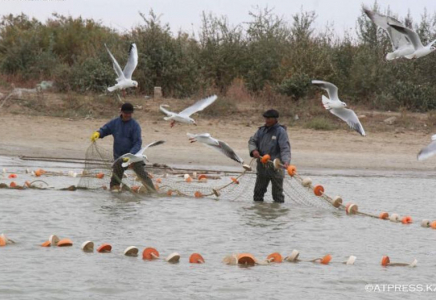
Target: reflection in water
(261, 214)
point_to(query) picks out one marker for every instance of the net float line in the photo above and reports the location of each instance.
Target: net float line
(246, 258)
(386, 262)
(337, 202)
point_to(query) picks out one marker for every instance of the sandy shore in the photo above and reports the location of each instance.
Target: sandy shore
(338, 149)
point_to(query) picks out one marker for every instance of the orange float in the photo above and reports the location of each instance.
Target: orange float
(202, 176)
(326, 259)
(234, 180)
(275, 257)
(39, 172)
(150, 254)
(65, 243)
(318, 190)
(105, 248)
(46, 244)
(3, 240)
(188, 179)
(12, 176)
(135, 188)
(198, 194)
(156, 186)
(159, 180)
(292, 170)
(385, 261)
(407, 220)
(383, 215)
(196, 258)
(169, 193)
(246, 259)
(12, 184)
(27, 183)
(433, 224)
(100, 175)
(266, 158)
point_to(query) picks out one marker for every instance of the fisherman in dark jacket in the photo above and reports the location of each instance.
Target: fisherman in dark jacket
(127, 139)
(271, 139)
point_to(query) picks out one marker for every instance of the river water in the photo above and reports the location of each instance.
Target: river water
(215, 229)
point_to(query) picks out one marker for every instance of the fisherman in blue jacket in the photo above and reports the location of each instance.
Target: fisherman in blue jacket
(127, 139)
(271, 139)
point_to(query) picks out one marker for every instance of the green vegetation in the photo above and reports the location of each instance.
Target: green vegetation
(273, 59)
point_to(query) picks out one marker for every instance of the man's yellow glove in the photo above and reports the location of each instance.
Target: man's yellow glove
(126, 159)
(95, 136)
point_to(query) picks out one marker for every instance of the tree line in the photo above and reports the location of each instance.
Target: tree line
(267, 53)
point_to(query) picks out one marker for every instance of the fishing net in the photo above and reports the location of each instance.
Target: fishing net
(200, 183)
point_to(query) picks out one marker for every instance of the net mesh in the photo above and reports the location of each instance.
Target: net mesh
(228, 185)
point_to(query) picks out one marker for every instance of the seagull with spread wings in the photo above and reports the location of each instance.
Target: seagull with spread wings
(401, 44)
(130, 158)
(124, 79)
(209, 141)
(337, 107)
(419, 50)
(184, 115)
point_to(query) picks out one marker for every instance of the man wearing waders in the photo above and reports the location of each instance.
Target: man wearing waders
(127, 139)
(271, 139)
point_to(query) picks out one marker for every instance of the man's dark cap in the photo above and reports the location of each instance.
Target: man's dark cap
(127, 107)
(272, 113)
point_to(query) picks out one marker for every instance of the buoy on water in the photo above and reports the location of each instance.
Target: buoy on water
(104, 248)
(150, 254)
(173, 258)
(196, 258)
(88, 246)
(131, 251)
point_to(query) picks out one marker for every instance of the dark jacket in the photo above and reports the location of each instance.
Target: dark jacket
(273, 141)
(127, 136)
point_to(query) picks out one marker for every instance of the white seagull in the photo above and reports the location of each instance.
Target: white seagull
(130, 158)
(184, 115)
(218, 145)
(124, 79)
(337, 107)
(401, 44)
(428, 151)
(419, 49)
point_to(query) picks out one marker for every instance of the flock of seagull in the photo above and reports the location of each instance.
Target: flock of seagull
(405, 43)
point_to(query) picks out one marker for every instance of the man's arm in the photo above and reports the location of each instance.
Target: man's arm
(107, 129)
(137, 140)
(285, 147)
(252, 144)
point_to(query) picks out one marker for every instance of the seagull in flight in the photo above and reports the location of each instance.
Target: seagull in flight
(337, 107)
(130, 158)
(124, 79)
(184, 115)
(429, 150)
(208, 140)
(401, 44)
(419, 49)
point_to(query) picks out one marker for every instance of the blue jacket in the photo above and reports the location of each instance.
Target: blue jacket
(273, 141)
(127, 136)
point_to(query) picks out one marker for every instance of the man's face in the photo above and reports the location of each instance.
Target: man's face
(126, 116)
(270, 122)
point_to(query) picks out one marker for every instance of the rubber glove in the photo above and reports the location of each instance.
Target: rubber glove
(126, 159)
(95, 136)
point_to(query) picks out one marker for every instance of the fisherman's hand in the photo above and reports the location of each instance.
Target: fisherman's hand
(256, 154)
(95, 136)
(285, 165)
